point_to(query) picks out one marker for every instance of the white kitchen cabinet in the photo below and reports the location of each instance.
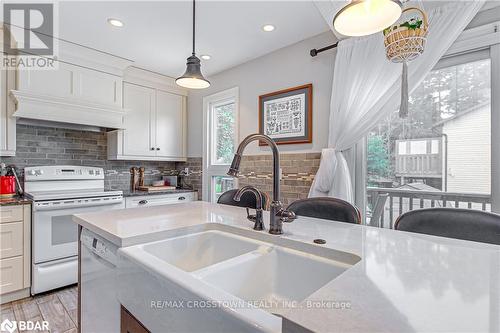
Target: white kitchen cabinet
(98, 87)
(170, 125)
(84, 88)
(15, 252)
(70, 94)
(155, 126)
(138, 139)
(58, 82)
(7, 122)
(72, 81)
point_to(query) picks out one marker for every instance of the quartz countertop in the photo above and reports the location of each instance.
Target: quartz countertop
(405, 282)
(16, 200)
(138, 193)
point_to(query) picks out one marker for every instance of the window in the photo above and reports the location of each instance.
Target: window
(223, 128)
(221, 139)
(440, 155)
(222, 184)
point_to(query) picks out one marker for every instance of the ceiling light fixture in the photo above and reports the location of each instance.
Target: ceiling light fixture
(115, 22)
(193, 78)
(268, 27)
(366, 17)
(206, 57)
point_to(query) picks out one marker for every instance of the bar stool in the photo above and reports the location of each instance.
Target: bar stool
(326, 208)
(466, 224)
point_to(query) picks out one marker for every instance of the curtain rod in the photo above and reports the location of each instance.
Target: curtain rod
(314, 52)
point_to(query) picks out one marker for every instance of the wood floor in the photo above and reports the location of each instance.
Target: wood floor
(59, 308)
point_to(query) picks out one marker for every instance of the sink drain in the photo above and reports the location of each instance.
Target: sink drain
(319, 241)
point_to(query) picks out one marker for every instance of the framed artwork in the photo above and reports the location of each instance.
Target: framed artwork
(286, 115)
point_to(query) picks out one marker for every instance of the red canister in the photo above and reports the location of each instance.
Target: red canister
(7, 186)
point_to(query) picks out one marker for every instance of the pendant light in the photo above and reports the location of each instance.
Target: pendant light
(193, 78)
(366, 17)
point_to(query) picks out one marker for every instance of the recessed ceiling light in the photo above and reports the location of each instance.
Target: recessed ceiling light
(268, 27)
(206, 57)
(115, 22)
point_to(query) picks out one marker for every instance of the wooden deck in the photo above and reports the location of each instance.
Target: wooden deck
(59, 308)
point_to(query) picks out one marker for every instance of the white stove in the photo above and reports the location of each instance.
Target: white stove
(58, 192)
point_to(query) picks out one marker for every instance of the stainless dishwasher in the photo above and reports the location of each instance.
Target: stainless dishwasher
(100, 309)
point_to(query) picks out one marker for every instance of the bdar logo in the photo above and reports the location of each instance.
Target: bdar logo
(9, 326)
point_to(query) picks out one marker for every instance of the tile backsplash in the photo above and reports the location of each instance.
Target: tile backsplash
(297, 171)
(37, 145)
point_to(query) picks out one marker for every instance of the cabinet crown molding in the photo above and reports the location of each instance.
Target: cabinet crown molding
(154, 80)
(87, 57)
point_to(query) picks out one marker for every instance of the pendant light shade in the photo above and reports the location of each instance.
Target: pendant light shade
(366, 17)
(192, 77)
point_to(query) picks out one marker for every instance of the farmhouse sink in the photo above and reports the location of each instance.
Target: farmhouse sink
(234, 268)
(194, 251)
(276, 276)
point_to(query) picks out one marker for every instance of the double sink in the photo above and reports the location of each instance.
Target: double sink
(220, 262)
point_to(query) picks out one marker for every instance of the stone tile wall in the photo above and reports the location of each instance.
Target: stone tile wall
(193, 179)
(298, 171)
(37, 145)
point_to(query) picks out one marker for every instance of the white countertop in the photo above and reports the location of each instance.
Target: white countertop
(404, 282)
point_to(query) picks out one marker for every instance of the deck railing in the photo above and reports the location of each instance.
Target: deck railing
(422, 166)
(386, 204)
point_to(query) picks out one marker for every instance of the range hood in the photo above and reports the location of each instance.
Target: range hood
(66, 110)
(83, 87)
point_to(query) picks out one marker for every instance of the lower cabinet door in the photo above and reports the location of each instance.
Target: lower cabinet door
(11, 240)
(129, 324)
(11, 274)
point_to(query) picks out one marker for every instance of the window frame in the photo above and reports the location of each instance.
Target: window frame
(211, 169)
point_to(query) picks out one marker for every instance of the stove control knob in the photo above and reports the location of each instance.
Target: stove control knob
(32, 172)
(40, 172)
(91, 172)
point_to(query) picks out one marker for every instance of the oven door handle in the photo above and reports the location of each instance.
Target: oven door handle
(76, 203)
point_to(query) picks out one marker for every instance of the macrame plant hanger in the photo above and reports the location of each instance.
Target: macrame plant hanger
(405, 41)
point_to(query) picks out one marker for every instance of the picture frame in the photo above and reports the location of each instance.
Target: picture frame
(286, 115)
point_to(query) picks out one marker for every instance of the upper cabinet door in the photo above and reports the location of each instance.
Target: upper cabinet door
(138, 136)
(98, 87)
(75, 82)
(170, 125)
(58, 82)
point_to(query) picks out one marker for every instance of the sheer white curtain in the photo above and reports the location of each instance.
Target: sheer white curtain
(366, 88)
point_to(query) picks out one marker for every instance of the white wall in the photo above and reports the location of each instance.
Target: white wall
(469, 152)
(284, 68)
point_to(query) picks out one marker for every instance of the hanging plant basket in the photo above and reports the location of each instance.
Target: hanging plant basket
(405, 40)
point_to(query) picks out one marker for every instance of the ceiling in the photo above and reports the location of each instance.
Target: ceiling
(157, 34)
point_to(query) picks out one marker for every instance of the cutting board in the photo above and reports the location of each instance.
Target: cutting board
(156, 188)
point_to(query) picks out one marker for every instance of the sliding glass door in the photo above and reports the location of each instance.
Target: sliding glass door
(441, 154)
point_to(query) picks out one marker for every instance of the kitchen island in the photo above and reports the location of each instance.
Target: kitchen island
(403, 282)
